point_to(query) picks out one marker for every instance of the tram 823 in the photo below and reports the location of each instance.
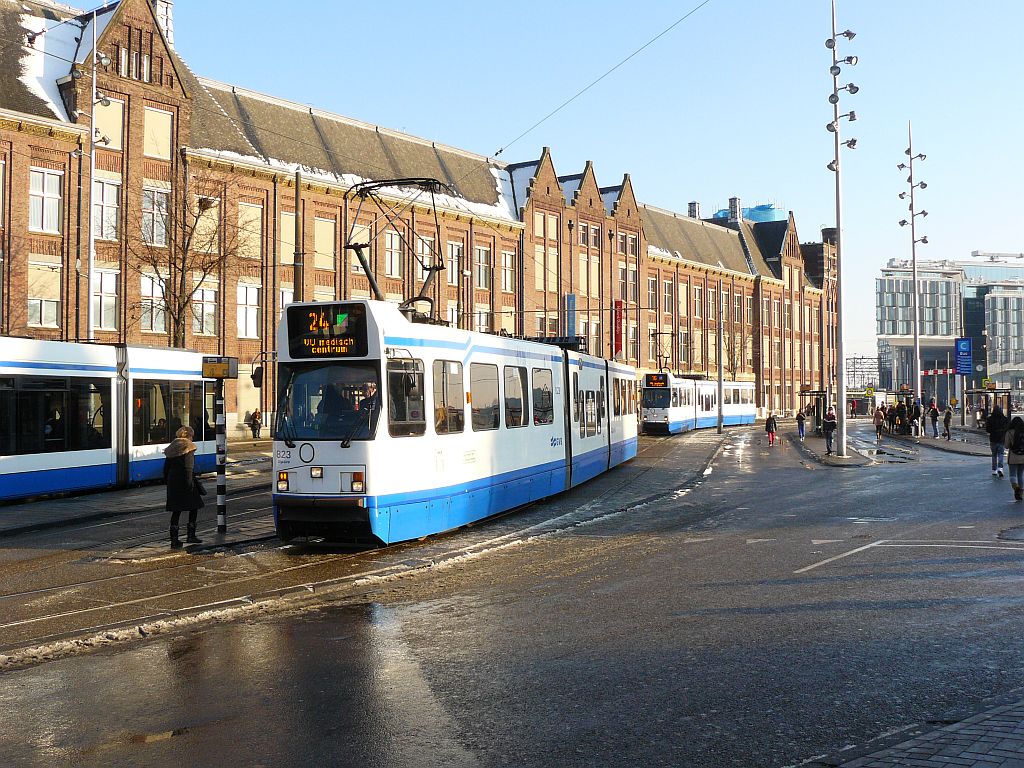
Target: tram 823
(390, 430)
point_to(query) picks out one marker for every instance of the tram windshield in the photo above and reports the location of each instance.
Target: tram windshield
(657, 398)
(328, 401)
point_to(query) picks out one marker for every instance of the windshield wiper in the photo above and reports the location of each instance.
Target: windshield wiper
(347, 440)
(284, 426)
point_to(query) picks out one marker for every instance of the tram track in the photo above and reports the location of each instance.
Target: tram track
(89, 606)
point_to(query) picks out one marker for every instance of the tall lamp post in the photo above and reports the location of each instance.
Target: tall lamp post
(914, 240)
(835, 70)
(94, 139)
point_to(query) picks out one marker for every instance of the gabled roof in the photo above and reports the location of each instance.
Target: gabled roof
(760, 262)
(239, 124)
(675, 235)
(610, 196)
(570, 184)
(521, 174)
(771, 238)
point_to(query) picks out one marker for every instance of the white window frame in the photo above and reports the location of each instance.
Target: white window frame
(425, 252)
(37, 307)
(154, 218)
(204, 305)
(248, 310)
(456, 251)
(50, 205)
(392, 253)
(482, 262)
(101, 292)
(151, 298)
(508, 273)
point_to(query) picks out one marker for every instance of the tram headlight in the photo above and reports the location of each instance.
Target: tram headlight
(316, 473)
(282, 481)
(358, 485)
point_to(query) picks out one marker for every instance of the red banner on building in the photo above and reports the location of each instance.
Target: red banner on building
(617, 327)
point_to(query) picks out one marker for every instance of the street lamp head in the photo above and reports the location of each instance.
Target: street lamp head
(104, 60)
(910, 179)
(833, 166)
(848, 34)
(852, 115)
(851, 144)
(834, 70)
(901, 166)
(852, 88)
(77, 74)
(102, 99)
(831, 127)
(830, 43)
(833, 98)
(923, 213)
(922, 185)
(903, 222)
(924, 240)
(903, 195)
(920, 157)
(851, 60)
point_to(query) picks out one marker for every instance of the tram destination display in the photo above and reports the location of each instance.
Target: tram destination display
(326, 330)
(656, 380)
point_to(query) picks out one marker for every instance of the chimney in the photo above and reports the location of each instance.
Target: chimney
(164, 10)
(694, 210)
(735, 212)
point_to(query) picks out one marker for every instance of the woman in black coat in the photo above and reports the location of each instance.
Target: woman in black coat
(183, 490)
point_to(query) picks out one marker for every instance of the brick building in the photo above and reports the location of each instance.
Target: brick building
(192, 240)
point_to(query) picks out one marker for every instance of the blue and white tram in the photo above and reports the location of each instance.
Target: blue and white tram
(394, 430)
(85, 416)
(737, 403)
(667, 404)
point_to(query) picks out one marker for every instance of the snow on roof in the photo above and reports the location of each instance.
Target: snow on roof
(102, 17)
(49, 58)
(522, 174)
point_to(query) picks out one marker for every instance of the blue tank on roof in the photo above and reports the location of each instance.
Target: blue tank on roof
(758, 214)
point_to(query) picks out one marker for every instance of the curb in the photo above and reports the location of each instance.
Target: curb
(855, 459)
(938, 444)
(66, 521)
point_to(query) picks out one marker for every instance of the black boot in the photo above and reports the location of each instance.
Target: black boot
(175, 541)
(192, 538)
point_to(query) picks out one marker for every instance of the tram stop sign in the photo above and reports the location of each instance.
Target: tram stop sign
(869, 392)
(220, 367)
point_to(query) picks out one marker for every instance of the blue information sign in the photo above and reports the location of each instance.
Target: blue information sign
(570, 315)
(964, 357)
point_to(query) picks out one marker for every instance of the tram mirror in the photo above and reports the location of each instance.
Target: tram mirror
(257, 377)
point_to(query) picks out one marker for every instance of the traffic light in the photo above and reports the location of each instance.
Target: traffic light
(257, 377)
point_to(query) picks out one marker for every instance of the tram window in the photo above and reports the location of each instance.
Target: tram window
(51, 415)
(675, 397)
(602, 404)
(405, 398)
(726, 396)
(517, 407)
(449, 397)
(576, 397)
(160, 408)
(591, 420)
(543, 399)
(483, 388)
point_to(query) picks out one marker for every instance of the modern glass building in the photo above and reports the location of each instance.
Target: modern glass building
(981, 297)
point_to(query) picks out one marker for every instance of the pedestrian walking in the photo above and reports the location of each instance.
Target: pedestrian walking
(800, 419)
(902, 424)
(996, 425)
(947, 420)
(933, 414)
(879, 421)
(256, 423)
(890, 416)
(915, 418)
(184, 492)
(1014, 444)
(828, 426)
(771, 426)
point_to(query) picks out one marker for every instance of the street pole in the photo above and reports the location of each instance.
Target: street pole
(913, 267)
(297, 267)
(721, 384)
(222, 454)
(90, 319)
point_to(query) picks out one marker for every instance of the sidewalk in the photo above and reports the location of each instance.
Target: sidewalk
(967, 441)
(992, 737)
(247, 468)
(813, 447)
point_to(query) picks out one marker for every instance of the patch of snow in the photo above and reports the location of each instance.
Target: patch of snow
(48, 59)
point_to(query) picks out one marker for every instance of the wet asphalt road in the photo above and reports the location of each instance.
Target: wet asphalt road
(777, 611)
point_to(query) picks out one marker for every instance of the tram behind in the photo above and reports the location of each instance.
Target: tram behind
(671, 404)
(87, 416)
(391, 430)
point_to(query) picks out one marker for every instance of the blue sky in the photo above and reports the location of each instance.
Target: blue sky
(731, 102)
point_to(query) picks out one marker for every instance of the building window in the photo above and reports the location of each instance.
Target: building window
(634, 285)
(454, 262)
(684, 347)
(323, 243)
(483, 267)
(104, 209)
(248, 311)
(287, 296)
(392, 254)
(104, 301)
(633, 245)
(204, 312)
(360, 234)
(44, 295)
(110, 124)
(669, 294)
(652, 344)
(595, 236)
(425, 252)
(250, 231)
(154, 310)
(508, 271)
(777, 313)
(698, 300)
(154, 217)
(652, 294)
(634, 342)
(584, 237)
(622, 242)
(623, 285)
(44, 200)
(552, 227)
(157, 133)
(146, 68)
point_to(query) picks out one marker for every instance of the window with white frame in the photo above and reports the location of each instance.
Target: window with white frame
(104, 301)
(508, 271)
(248, 311)
(153, 315)
(698, 300)
(392, 254)
(360, 234)
(154, 217)
(483, 267)
(669, 293)
(44, 294)
(425, 252)
(652, 294)
(204, 311)
(104, 209)
(45, 200)
(482, 316)
(454, 262)
(623, 285)
(634, 285)
(287, 296)
(584, 234)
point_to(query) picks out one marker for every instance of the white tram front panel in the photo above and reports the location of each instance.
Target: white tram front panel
(668, 404)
